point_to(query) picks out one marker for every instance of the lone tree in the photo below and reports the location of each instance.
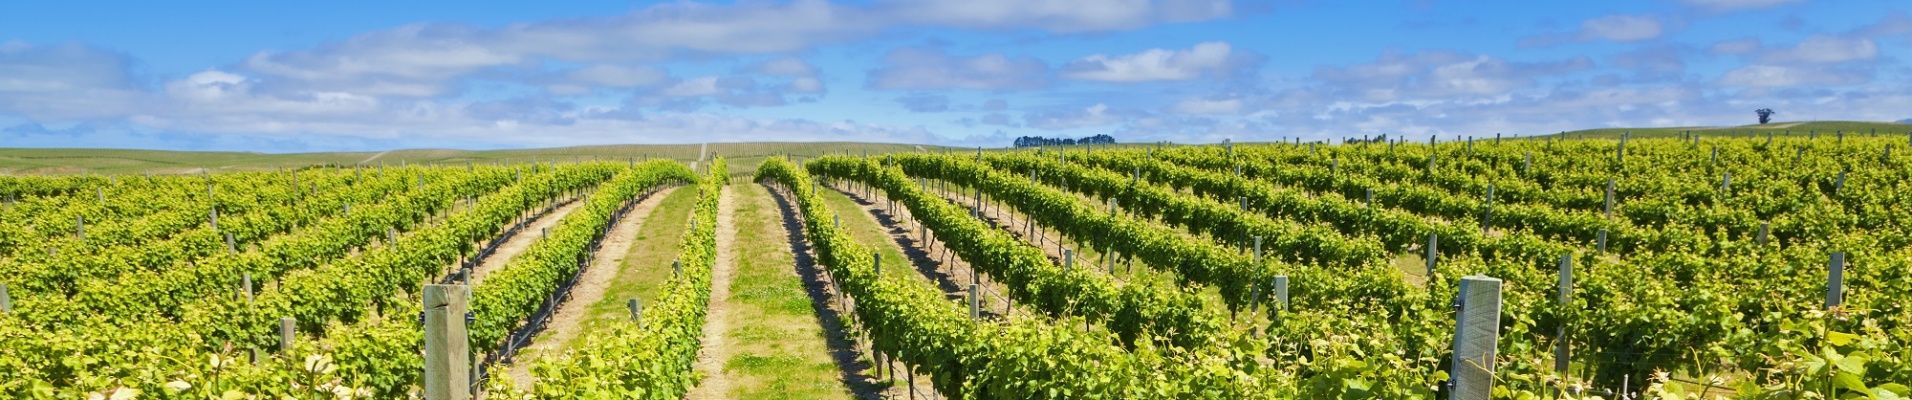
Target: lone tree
(1765, 115)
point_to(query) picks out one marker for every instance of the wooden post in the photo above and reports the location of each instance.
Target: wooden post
(1763, 227)
(6, 300)
(1726, 184)
(975, 303)
(245, 284)
(231, 247)
(1836, 280)
(1609, 197)
(1281, 294)
(637, 311)
(1487, 217)
(1561, 349)
(79, 227)
(1840, 186)
(1370, 201)
(1527, 164)
(878, 264)
(215, 219)
(677, 267)
(1601, 241)
(288, 329)
(1476, 331)
(447, 348)
(1620, 154)
(1715, 160)
(1068, 260)
(1433, 255)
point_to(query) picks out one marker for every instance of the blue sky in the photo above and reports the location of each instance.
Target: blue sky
(273, 77)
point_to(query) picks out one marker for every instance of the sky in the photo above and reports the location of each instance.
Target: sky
(480, 74)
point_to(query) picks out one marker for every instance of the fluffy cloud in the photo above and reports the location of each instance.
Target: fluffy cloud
(1206, 106)
(1618, 28)
(1095, 115)
(1732, 5)
(925, 68)
(68, 81)
(1206, 59)
(1734, 47)
(1824, 49)
(1440, 74)
(1621, 28)
(1056, 15)
(1788, 76)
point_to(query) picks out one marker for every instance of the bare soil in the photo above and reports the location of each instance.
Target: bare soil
(715, 349)
(590, 287)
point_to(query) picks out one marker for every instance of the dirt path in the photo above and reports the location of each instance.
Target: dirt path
(589, 289)
(843, 350)
(520, 241)
(374, 157)
(716, 349)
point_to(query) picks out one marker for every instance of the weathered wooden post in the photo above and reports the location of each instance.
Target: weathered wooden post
(79, 227)
(1561, 349)
(677, 267)
(1068, 260)
(1609, 197)
(637, 311)
(1600, 240)
(1840, 186)
(1370, 199)
(1726, 184)
(447, 347)
(1620, 154)
(245, 284)
(1433, 255)
(1763, 227)
(231, 246)
(975, 303)
(1836, 280)
(1281, 293)
(1476, 331)
(1528, 163)
(1715, 160)
(6, 300)
(1487, 217)
(288, 329)
(877, 264)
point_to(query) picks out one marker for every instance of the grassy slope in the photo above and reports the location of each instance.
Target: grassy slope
(743, 157)
(1778, 128)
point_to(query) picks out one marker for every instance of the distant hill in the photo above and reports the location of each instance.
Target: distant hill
(1779, 128)
(743, 157)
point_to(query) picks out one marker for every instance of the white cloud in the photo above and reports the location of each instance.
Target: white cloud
(1734, 47)
(1056, 15)
(1206, 106)
(1621, 28)
(65, 81)
(787, 66)
(1094, 115)
(1440, 74)
(1788, 76)
(920, 68)
(1731, 5)
(702, 86)
(1154, 64)
(806, 85)
(617, 76)
(1824, 49)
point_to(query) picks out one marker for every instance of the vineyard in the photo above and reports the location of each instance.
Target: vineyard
(1728, 266)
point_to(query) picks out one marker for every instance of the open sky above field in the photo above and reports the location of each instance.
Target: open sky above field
(367, 76)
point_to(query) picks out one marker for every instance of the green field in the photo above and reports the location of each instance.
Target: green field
(743, 157)
(1777, 128)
